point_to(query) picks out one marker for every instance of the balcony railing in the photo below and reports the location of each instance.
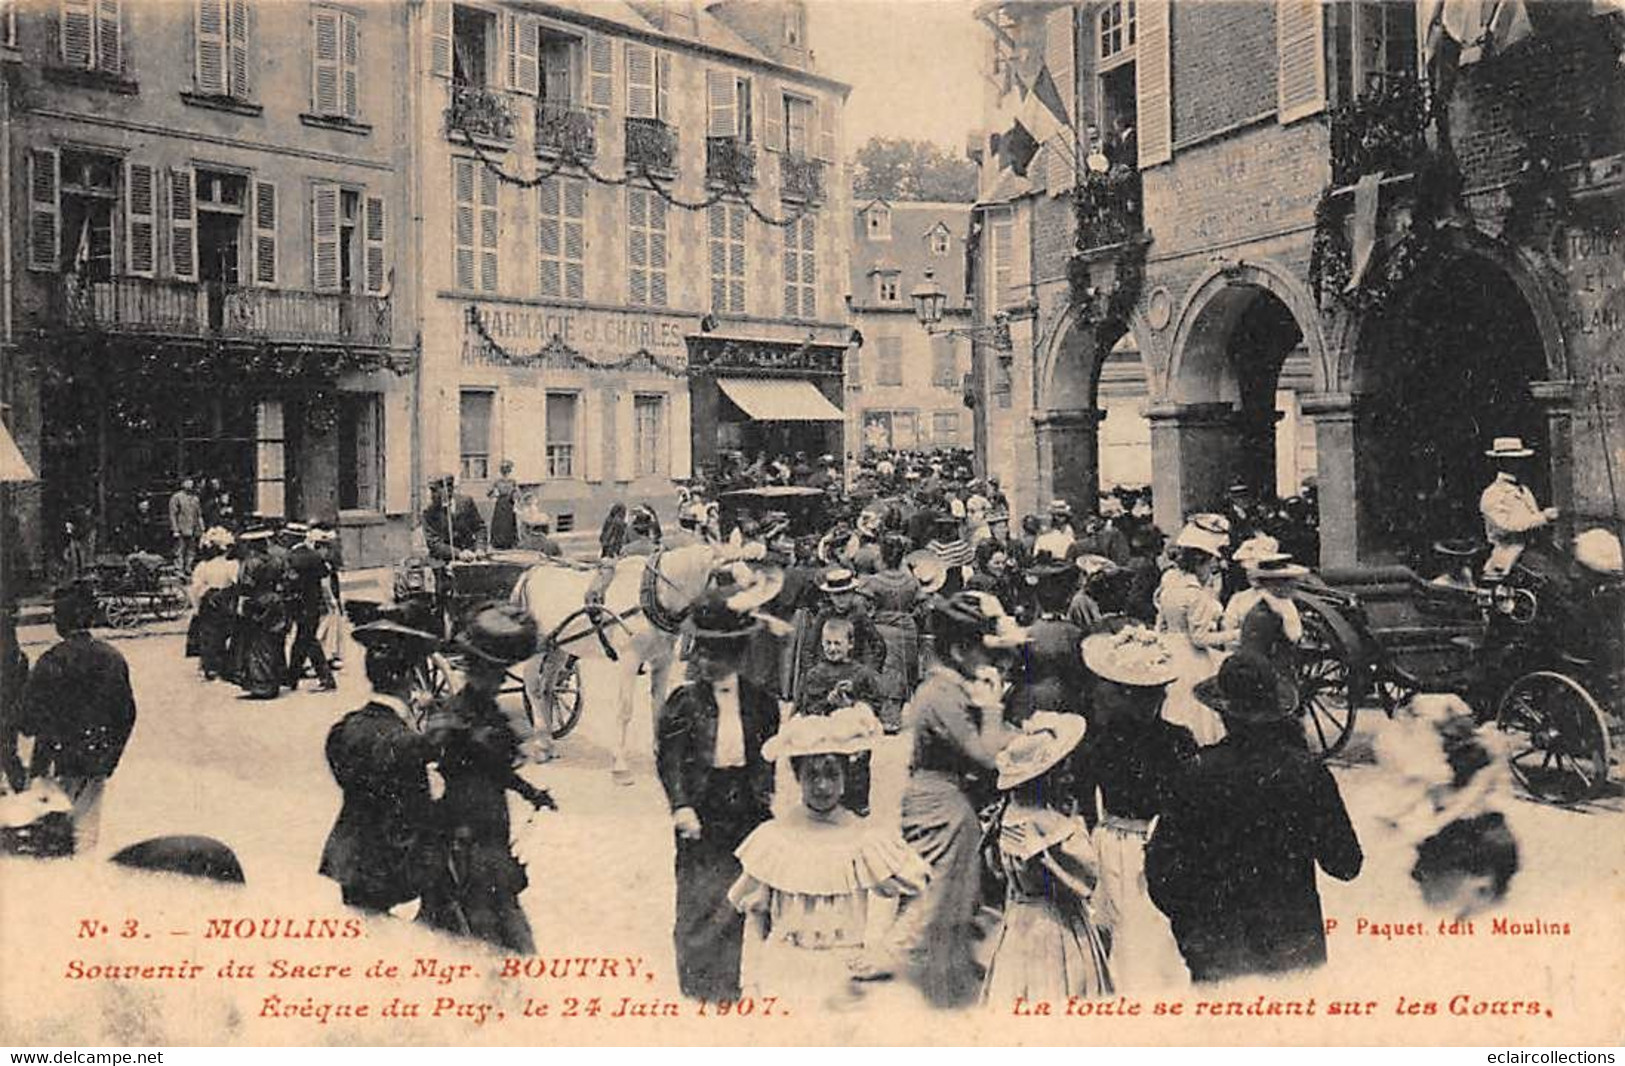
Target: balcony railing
(227, 312)
(566, 131)
(479, 112)
(730, 162)
(1109, 209)
(801, 179)
(651, 145)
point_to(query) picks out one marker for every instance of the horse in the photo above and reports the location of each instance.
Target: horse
(634, 621)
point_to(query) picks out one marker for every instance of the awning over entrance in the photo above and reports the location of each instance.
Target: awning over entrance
(13, 467)
(780, 400)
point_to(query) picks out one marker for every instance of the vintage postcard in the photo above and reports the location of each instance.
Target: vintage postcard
(812, 522)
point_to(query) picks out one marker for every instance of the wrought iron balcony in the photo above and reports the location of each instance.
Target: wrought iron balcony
(801, 180)
(1108, 208)
(651, 145)
(476, 111)
(730, 162)
(566, 131)
(161, 307)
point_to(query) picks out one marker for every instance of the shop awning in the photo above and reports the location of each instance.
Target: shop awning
(780, 400)
(13, 467)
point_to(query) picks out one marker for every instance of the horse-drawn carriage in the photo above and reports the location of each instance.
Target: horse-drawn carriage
(135, 588)
(1541, 653)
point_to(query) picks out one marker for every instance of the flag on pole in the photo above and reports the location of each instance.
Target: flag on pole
(1049, 94)
(1017, 148)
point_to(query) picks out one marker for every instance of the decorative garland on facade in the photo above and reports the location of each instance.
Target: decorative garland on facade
(557, 354)
(732, 191)
(1107, 214)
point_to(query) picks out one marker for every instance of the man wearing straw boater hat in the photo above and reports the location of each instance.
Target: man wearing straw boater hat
(1509, 508)
(1232, 860)
(708, 753)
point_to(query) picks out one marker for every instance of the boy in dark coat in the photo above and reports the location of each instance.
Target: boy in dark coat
(382, 846)
(1232, 863)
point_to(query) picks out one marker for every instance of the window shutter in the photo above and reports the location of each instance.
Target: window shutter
(490, 228)
(682, 446)
(397, 436)
(237, 38)
(736, 260)
(772, 116)
(549, 237)
(440, 38)
(640, 81)
(717, 224)
(1154, 103)
(210, 37)
(528, 55)
(809, 267)
(1301, 59)
(663, 86)
(792, 271)
(575, 239)
(325, 237)
(265, 207)
(326, 70)
(44, 210)
(109, 54)
(352, 66)
(377, 264)
(463, 221)
(719, 98)
(140, 220)
(824, 111)
(78, 33)
(625, 435)
(182, 225)
(508, 31)
(637, 245)
(601, 72)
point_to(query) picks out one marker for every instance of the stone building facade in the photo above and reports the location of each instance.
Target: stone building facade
(581, 319)
(204, 197)
(907, 387)
(1466, 290)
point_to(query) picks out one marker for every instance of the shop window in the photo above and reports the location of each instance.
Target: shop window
(649, 425)
(270, 461)
(361, 453)
(475, 409)
(945, 427)
(889, 361)
(562, 434)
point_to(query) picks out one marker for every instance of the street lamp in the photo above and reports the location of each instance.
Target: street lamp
(929, 299)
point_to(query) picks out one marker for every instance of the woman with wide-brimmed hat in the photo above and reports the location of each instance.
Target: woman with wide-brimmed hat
(1048, 947)
(708, 753)
(894, 593)
(1125, 774)
(478, 750)
(1232, 862)
(1189, 611)
(1051, 676)
(958, 730)
(808, 877)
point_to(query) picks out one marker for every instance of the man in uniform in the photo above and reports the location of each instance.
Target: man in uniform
(1509, 508)
(185, 524)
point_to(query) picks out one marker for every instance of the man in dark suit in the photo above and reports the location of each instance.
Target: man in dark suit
(382, 850)
(709, 756)
(451, 522)
(1232, 862)
(309, 585)
(79, 708)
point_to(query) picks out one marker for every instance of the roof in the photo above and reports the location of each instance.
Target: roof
(908, 252)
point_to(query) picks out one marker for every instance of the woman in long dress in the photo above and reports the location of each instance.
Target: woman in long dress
(504, 524)
(1126, 773)
(213, 580)
(1189, 611)
(808, 877)
(958, 730)
(893, 594)
(1048, 948)
(260, 638)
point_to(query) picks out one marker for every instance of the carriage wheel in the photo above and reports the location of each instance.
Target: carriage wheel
(1323, 689)
(431, 682)
(1392, 689)
(123, 612)
(1559, 737)
(561, 687)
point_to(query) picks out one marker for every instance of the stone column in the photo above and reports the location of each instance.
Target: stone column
(1556, 400)
(1068, 455)
(1194, 447)
(1345, 476)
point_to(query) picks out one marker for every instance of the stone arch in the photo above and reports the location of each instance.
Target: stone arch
(1071, 356)
(1197, 368)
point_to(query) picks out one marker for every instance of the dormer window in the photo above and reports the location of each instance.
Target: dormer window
(887, 288)
(941, 243)
(877, 223)
(795, 26)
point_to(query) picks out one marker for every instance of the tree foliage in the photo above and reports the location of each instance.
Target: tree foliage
(895, 168)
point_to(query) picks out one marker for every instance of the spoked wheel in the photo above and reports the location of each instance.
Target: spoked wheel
(1323, 689)
(123, 612)
(431, 682)
(1559, 737)
(561, 688)
(1392, 688)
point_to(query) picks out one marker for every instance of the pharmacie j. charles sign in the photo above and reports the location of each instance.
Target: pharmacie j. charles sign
(586, 329)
